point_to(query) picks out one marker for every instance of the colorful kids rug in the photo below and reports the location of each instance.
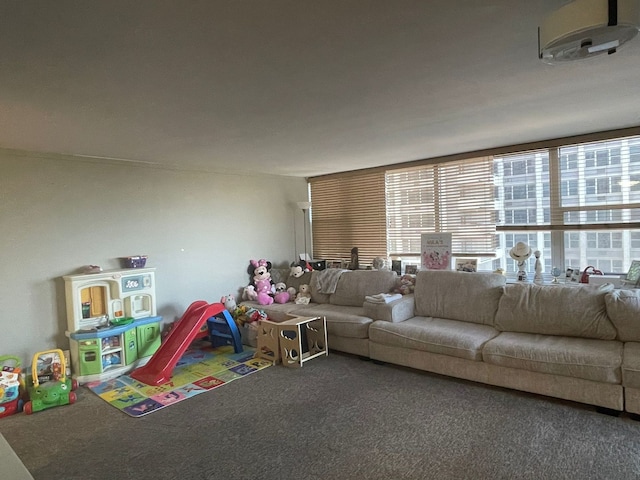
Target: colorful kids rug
(200, 370)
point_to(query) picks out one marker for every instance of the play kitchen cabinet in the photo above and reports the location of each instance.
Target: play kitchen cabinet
(109, 352)
(112, 322)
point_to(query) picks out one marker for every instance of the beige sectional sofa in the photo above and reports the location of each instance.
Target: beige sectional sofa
(575, 342)
(343, 305)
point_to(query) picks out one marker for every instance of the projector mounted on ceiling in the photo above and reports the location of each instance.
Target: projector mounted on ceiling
(586, 28)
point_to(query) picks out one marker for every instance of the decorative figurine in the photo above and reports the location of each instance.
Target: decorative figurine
(521, 253)
(537, 278)
(355, 263)
(555, 273)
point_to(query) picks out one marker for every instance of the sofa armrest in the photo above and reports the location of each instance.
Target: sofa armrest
(396, 311)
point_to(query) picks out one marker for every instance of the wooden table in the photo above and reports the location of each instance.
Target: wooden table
(292, 342)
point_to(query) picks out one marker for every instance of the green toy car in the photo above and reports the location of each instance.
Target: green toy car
(50, 386)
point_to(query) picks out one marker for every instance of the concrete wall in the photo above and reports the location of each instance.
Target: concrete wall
(59, 214)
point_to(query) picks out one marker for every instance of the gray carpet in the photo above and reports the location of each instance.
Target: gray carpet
(338, 417)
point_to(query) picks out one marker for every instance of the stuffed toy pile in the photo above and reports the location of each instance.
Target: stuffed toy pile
(248, 316)
(299, 274)
(261, 289)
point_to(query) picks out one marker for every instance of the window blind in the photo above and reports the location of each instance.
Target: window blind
(347, 212)
(579, 187)
(523, 190)
(600, 185)
(454, 197)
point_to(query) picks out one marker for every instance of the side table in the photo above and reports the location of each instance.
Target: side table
(292, 342)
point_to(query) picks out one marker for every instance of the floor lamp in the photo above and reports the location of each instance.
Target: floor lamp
(305, 206)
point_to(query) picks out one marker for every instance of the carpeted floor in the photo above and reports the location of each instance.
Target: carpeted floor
(338, 417)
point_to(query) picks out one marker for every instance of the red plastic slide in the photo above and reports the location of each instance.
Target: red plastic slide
(158, 369)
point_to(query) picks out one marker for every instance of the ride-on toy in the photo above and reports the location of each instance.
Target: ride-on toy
(48, 385)
(11, 386)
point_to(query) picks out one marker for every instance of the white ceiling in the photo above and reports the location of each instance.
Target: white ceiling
(295, 87)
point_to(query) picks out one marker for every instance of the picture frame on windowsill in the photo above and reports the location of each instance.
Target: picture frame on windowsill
(410, 269)
(633, 275)
(466, 264)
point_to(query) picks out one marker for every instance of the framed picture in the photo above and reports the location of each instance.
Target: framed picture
(410, 269)
(336, 263)
(466, 264)
(396, 266)
(633, 275)
(436, 251)
(569, 274)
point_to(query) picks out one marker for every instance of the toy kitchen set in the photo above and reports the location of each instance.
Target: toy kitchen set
(111, 320)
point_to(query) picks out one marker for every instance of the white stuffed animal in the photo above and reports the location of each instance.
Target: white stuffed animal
(229, 303)
(250, 293)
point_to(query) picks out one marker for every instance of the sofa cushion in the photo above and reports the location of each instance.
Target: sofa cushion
(341, 321)
(577, 311)
(623, 308)
(435, 335)
(469, 297)
(354, 285)
(631, 365)
(590, 359)
(316, 295)
(395, 311)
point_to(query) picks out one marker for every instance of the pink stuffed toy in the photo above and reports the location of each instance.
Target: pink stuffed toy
(262, 281)
(282, 295)
(263, 289)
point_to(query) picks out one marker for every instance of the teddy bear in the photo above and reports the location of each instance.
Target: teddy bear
(229, 302)
(304, 294)
(262, 280)
(405, 284)
(281, 295)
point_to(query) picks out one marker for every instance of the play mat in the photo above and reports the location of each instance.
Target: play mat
(200, 370)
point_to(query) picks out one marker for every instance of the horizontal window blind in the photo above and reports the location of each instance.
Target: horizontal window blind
(454, 197)
(523, 190)
(600, 185)
(347, 212)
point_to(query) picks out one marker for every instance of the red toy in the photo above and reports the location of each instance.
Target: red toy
(11, 386)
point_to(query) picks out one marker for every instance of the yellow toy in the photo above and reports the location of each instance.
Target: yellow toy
(50, 385)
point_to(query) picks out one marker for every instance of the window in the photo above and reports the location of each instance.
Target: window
(597, 184)
(455, 197)
(347, 212)
(579, 203)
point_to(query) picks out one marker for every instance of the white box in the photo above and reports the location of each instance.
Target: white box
(602, 279)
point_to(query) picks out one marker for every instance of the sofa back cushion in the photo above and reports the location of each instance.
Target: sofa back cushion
(316, 295)
(577, 311)
(354, 285)
(468, 297)
(623, 308)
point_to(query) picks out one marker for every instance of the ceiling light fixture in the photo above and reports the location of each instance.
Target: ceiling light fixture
(586, 28)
